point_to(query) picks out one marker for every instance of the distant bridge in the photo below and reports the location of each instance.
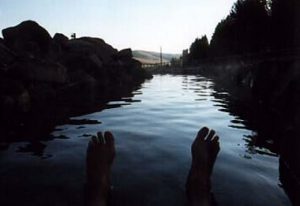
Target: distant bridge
(148, 65)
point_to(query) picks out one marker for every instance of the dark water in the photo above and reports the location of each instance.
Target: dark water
(154, 131)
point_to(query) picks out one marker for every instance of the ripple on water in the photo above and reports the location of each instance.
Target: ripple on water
(154, 130)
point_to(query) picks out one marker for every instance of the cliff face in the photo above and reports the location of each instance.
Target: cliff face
(41, 76)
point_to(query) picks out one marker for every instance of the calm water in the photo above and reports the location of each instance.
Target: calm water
(154, 130)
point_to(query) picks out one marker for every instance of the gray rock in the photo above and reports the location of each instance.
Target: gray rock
(89, 46)
(90, 63)
(28, 36)
(96, 61)
(124, 55)
(24, 101)
(60, 38)
(39, 71)
(58, 46)
(6, 56)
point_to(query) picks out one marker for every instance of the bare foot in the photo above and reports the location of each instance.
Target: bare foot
(99, 159)
(205, 149)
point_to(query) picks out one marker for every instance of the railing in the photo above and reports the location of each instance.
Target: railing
(148, 65)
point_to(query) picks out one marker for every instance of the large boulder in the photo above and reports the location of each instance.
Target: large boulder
(89, 63)
(124, 55)
(122, 59)
(39, 71)
(58, 45)
(60, 38)
(6, 56)
(88, 46)
(28, 36)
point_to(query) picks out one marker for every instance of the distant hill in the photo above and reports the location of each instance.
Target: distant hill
(148, 57)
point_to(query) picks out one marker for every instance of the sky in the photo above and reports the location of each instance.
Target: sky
(137, 24)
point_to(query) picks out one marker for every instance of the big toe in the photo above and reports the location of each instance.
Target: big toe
(202, 133)
(109, 138)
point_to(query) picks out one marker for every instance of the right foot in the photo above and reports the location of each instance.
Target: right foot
(100, 156)
(205, 149)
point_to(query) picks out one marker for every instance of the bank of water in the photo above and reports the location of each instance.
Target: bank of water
(154, 130)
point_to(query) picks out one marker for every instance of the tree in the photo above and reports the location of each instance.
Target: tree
(175, 62)
(245, 30)
(285, 23)
(223, 40)
(199, 49)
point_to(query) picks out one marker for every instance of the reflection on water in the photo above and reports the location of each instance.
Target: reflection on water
(154, 130)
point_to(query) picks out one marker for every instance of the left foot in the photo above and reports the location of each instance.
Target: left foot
(100, 156)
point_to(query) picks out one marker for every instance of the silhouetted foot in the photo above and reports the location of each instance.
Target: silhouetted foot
(99, 159)
(205, 149)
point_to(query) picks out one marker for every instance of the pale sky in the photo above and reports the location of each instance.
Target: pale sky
(138, 24)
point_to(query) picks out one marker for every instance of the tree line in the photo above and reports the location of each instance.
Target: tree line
(252, 26)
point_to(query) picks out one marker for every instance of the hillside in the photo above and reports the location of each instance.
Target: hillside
(148, 57)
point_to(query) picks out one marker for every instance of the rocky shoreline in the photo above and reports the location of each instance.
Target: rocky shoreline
(44, 80)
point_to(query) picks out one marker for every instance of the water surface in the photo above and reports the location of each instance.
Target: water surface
(154, 130)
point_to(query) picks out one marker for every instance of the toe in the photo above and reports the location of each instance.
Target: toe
(210, 135)
(202, 133)
(215, 139)
(94, 141)
(90, 146)
(109, 138)
(101, 139)
(215, 144)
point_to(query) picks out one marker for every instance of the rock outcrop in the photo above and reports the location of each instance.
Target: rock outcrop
(44, 79)
(6, 55)
(27, 37)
